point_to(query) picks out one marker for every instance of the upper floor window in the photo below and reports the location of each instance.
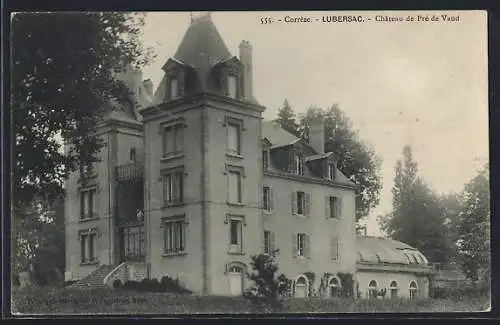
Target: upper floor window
(267, 198)
(334, 247)
(132, 154)
(268, 242)
(301, 245)
(236, 224)
(232, 86)
(174, 88)
(173, 188)
(300, 203)
(331, 171)
(298, 167)
(265, 160)
(333, 207)
(234, 138)
(234, 186)
(87, 203)
(173, 139)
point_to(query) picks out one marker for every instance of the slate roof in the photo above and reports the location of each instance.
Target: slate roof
(278, 136)
(380, 250)
(202, 37)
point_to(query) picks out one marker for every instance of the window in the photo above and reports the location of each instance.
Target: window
(132, 154)
(234, 186)
(87, 204)
(332, 207)
(301, 203)
(173, 139)
(268, 242)
(265, 160)
(233, 138)
(173, 188)
(413, 290)
(174, 89)
(267, 198)
(372, 289)
(232, 86)
(334, 287)
(235, 235)
(331, 171)
(394, 289)
(301, 245)
(301, 287)
(87, 242)
(174, 236)
(298, 165)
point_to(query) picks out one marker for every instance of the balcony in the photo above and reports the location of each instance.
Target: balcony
(128, 172)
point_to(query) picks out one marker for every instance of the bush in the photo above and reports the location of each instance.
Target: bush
(167, 284)
(70, 282)
(268, 291)
(117, 284)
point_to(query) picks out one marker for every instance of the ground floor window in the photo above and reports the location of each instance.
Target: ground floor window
(88, 247)
(372, 289)
(394, 289)
(334, 285)
(413, 290)
(301, 287)
(174, 236)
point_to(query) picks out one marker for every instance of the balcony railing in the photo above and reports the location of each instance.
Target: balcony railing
(130, 171)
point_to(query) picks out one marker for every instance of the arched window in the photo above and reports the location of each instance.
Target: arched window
(372, 289)
(394, 289)
(413, 290)
(301, 286)
(334, 286)
(235, 269)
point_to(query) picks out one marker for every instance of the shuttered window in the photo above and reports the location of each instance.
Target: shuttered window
(334, 248)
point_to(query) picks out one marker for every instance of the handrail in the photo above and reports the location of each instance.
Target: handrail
(106, 278)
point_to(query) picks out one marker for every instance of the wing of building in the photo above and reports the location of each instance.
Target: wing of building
(192, 182)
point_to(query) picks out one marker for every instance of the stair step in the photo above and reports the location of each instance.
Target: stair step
(94, 279)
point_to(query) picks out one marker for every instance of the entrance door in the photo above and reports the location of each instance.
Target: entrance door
(301, 287)
(132, 243)
(236, 280)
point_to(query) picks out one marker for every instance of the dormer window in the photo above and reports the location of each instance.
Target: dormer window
(174, 88)
(331, 172)
(232, 86)
(298, 167)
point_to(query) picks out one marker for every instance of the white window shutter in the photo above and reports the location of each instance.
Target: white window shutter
(339, 208)
(294, 245)
(327, 207)
(294, 203)
(334, 246)
(272, 239)
(271, 200)
(307, 204)
(307, 247)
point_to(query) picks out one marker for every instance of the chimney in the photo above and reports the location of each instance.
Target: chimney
(246, 59)
(317, 135)
(148, 86)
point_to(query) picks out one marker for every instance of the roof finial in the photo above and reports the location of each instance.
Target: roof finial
(203, 15)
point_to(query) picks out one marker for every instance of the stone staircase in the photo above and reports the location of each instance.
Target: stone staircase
(94, 279)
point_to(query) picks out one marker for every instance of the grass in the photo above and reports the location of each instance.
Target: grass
(106, 301)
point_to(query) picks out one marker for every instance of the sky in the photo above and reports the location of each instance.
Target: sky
(424, 84)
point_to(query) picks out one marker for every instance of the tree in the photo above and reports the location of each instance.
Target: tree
(63, 77)
(474, 227)
(269, 289)
(417, 217)
(355, 158)
(287, 119)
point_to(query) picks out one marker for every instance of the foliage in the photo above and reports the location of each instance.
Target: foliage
(117, 284)
(287, 119)
(268, 290)
(347, 285)
(311, 277)
(166, 284)
(355, 158)
(474, 227)
(417, 217)
(107, 301)
(63, 76)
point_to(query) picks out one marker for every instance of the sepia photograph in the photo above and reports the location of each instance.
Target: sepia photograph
(249, 162)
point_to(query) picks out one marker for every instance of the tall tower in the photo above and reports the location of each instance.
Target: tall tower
(202, 144)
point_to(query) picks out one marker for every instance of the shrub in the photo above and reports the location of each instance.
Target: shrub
(70, 282)
(347, 285)
(168, 284)
(117, 284)
(131, 285)
(268, 290)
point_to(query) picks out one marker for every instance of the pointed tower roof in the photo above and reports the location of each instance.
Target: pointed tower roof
(202, 37)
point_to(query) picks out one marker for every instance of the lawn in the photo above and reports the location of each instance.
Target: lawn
(103, 301)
